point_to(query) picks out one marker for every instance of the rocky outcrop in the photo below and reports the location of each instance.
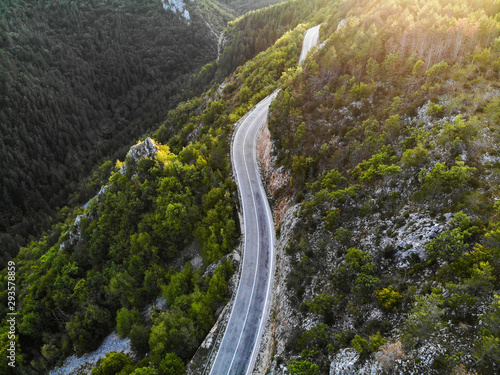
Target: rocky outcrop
(145, 149)
(282, 319)
(177, 6)
(344, 362)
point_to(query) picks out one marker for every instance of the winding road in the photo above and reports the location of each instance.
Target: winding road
(240, 344)
(311, 38)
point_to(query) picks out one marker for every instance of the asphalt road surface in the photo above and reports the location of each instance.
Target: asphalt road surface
(311, 38)
(240, 344)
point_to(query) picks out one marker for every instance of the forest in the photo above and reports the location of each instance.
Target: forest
(81, 82)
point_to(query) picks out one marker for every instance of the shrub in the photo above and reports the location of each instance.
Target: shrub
(444, 179)
(388, 355)
(487, 347)
(418, 68)
(360, 344)
(139, 339)
(112, 364)
(145, 371)
(438, 72)
(332, 218)
(171, 365)
(458, 132)
(344, 236)
(322, 304)
(435, 110)
(315, 338)
(449, 245)
(125, 319)
(328, 180)
(360, 91)
(303, 368)
(417, 156)
(425, 320)
(377, 166)
(365, 347)
(389, 298)
(364, 285)
(359, 261)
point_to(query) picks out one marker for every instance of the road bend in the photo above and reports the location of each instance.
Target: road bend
(240, 344)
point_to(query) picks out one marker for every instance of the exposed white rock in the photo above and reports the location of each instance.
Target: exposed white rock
(344, 363)
(84, 364)
(410, 237)
(341, 23)
(491, 159)
(146, 149)
(177, 6)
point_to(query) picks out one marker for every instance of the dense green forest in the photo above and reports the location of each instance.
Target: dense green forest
(390, 133)
(98, 267)
(81, 81)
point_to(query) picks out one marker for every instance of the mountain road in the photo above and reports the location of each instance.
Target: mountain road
(240, 344)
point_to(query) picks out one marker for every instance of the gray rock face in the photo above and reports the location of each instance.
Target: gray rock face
(143, 150)
(344, 362)
(146, 149)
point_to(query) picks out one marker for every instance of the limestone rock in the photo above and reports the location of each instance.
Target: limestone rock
(146, 149)
(344, 362)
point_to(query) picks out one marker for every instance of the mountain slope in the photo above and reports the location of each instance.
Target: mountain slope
(388, 141)
(81, 81)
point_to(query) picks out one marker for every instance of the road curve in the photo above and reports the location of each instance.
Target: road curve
(240, 344)
(311, 38)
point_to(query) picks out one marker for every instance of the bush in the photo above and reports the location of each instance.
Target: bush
(113, 364)
(487, 347)
(364, 285)
(328, 180)
(171, 365)
(389, 298)
(443, 179)
(438, 72)
(314, 338)
(365, 347)
(360, 91)
(139, 339)
(145, 371)
(125, 318)
(388, 355)
(449, 245)
(458, 132)
(344, 236)
(332, 218)
(359, 261)
(414, 157)
(303, 368)
(377, 166)
(322, 304)
(425, 320)
(435, 110)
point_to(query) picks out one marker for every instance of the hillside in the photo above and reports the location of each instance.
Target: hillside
(388, 140)
(81, 81)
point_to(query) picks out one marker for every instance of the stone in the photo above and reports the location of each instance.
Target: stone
(146, 149)
(345, 362)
